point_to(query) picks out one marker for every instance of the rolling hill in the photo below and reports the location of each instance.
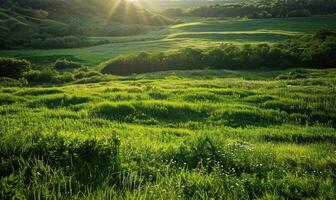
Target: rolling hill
(24, 21)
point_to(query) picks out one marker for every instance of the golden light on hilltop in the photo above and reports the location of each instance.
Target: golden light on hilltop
(129, 12)
(112, 6)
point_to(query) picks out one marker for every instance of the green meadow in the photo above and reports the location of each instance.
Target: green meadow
(119, 116)
(202, 134)
(195, 32)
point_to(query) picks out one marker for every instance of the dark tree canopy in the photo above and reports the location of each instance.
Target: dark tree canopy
(261, 9)
(13, 68)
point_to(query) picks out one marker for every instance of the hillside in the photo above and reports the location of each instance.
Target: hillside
(196, 33)
(24, 21)
(204, 134)
(108, 99)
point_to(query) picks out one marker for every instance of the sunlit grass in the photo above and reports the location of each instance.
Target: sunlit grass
(181, 135)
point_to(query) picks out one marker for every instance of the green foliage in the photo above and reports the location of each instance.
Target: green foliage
(9, 82)
(195, 33)
(13, 68)
(308, 51)
(65, 78)
(45, 75)
(202, 134)
(66, 64)
(262, 9)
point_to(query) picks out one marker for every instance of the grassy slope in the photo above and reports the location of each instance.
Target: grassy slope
(21, 23)
(302, 149)
(194, 33)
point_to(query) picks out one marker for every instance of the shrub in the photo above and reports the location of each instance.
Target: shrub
(13, 68)
(86, 74)
(65, 78)
(46, 75)
(66, 64)
(9, 82)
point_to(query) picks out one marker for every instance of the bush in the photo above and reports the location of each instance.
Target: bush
(46, 75)
(13, 68)
(9, 82)
(86, 74)
(66, 64)
(65, 78)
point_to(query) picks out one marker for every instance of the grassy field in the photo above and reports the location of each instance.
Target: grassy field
(202, 134)
(197, 134)
(194, 32)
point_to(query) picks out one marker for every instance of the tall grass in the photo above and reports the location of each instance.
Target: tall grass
(172, 135)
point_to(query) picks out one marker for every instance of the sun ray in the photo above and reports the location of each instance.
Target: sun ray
(142, 16)
(112, 5)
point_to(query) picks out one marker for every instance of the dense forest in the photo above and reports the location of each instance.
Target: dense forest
(260, 9)
(315, 51)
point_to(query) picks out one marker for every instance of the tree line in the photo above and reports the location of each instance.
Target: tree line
(315, 51)
(312, 51)
(260, 9)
